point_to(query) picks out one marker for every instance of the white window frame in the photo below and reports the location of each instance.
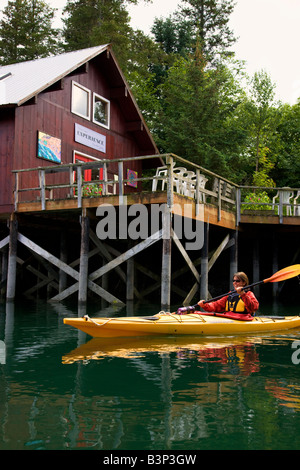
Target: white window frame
(78, 85)
(107, 102)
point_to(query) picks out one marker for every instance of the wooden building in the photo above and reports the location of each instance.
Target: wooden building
(74, 107)
(70, 119)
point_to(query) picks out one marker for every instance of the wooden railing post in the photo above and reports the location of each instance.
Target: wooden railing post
(170, 192)
(219, 199)
(71, 180)
(16, 191)
(42, 188)
(197, 190)
(104, 185)
(238, 206)
(280, 210)
(79, 186)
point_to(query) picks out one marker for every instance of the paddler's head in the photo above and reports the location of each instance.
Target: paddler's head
(240, 279)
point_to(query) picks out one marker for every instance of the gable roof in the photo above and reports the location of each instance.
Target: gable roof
(22, 81)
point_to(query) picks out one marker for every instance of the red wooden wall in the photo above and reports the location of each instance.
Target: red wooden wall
(51, 113)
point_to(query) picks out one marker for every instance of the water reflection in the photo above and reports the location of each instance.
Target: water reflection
(231, 351)
(61, 390)
(209, 388)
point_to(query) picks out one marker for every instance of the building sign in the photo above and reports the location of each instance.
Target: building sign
(91, 139)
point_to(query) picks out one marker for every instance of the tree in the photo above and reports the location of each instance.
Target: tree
(93, 22)
(198, 115)
(286, 171)
(26, 31)
(259, 115)
(209, 20)
(174, 35)
(175, 38)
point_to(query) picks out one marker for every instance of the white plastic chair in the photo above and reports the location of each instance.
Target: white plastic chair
(202, 183)
(286, 200)
(111, 188)
(161, 171)
(187, 182)
(297, 204)
(178, 174)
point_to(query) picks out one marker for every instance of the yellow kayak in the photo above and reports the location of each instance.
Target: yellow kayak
(173, 324)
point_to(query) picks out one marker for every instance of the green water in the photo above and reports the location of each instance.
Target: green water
(61, 390)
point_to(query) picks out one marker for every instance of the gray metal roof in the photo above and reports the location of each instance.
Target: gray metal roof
(20, 82)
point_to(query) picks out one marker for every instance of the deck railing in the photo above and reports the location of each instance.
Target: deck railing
(177, 175)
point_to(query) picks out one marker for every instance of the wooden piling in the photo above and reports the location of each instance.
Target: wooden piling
(64, 258)
(4, 266)
(167, 240)
(166, 261)
(275, 285)
(233, 256)
(84, 260)
(256, 269)
(204, 263)
(12, 259)
(130, 279)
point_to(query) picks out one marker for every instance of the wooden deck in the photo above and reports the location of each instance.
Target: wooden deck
(269, 219)
(197, 194)
(209, 213)
(220, 200)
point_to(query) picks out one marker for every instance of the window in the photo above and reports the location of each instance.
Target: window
(81, 100)
(101, 111)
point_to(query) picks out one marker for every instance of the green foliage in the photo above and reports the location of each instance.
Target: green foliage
(257, 201)
(91, 190)
(261, 175)
(93, 22)
(175, 36)
(258, 115)
(89, 23)
(286, 171)
(210, 22)
(197, 117)
(26, 31)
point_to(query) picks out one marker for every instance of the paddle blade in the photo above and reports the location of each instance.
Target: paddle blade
(284, 274)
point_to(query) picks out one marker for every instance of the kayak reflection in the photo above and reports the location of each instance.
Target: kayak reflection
(235, 351)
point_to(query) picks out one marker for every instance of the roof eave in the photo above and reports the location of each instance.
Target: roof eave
(66, 72)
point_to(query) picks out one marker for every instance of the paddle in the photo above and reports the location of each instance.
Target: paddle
(282, 275)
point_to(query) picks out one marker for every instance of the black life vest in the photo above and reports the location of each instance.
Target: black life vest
(235, 304)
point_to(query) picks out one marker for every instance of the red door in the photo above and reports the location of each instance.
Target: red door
(90, 174)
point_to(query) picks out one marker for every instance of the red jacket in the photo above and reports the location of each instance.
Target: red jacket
(219, 306)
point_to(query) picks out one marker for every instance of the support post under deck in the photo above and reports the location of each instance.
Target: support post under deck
(233, 256)
(84, 260)
(204, 264)
(12, 259)
(166, 261)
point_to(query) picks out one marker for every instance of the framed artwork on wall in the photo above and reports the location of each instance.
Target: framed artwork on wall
(131, 177)
(49, 147)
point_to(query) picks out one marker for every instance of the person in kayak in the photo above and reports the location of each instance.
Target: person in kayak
(240, 302)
